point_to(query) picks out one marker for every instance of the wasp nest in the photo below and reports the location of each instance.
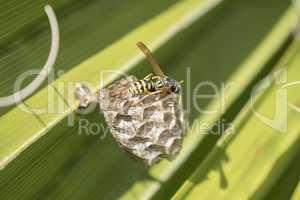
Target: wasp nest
(149, 126)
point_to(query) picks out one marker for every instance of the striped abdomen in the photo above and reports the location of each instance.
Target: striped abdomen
(142, 86)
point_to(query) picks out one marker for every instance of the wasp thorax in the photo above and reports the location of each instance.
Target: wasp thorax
(148, 126)
(167, 82)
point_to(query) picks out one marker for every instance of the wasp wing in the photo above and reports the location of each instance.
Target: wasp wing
(156, 67)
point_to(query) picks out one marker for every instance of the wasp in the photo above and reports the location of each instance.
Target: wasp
(123, 111)
(158, 83)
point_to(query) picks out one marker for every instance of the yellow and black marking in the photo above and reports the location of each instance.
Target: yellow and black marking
(142, 86)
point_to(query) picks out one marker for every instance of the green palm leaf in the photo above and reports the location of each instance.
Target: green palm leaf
(42, 155)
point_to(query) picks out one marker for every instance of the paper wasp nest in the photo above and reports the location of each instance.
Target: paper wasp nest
(150, 127)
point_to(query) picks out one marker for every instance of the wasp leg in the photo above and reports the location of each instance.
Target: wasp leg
(163, 93)
(148, 77)
(147, 94)
(151, 77)
(154, 93)
(155, 77)
(84, 95)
